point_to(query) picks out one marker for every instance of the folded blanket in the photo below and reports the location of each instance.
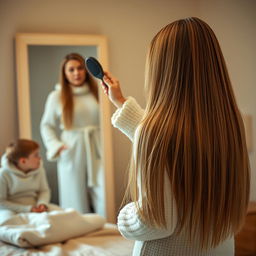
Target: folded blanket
(35, 229)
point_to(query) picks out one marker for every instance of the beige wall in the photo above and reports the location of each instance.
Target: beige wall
(129, 26)
(234, 22)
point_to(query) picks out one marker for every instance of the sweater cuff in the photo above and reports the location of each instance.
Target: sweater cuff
(42, 202)
(129, 223)
(52, 151)
(127, 118)
(25, 208)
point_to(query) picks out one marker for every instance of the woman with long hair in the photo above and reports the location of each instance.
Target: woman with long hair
(189, 177)
(73, 107)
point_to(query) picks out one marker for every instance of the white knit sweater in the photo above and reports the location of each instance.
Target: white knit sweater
(150, 240)
(20, 191)
(85, 113)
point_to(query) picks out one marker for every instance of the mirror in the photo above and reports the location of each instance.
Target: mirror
(38, 58)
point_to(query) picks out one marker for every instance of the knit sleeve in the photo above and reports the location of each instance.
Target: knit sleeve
(48, 127)
(133, 227)
(127, 118)
(44, 191)
(5, 204)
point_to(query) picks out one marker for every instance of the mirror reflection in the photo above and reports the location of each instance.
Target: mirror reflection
(64, 103)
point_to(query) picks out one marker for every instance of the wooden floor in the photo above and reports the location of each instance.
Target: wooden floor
(245, 241)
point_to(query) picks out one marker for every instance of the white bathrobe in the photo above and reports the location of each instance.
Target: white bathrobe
(20, 191)
(75, 175)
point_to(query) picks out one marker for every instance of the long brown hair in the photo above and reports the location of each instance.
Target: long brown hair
(19, 149)
(66, 91)
(192, 129)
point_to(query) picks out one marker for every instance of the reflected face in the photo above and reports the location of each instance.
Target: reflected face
(75, 72)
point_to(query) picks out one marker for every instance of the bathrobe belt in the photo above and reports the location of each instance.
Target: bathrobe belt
(93, 153)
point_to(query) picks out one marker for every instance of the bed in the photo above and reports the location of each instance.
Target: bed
(103, 241)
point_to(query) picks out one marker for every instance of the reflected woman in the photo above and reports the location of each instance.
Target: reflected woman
(73, 107)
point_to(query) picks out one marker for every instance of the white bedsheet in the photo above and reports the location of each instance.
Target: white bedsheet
(104, 242)
(33, 229)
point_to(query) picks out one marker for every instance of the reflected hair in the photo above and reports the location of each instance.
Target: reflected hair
(21, 148)
(66, 91)
(193, 131)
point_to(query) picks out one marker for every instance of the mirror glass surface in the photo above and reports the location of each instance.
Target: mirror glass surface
(44, 71)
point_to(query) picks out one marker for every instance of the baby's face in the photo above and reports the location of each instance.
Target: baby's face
(32, 162)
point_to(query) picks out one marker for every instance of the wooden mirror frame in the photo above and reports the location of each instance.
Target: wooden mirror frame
(23, 40)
